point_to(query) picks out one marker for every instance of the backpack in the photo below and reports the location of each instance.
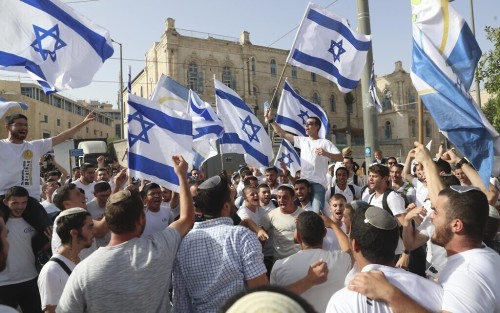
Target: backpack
(351, 187)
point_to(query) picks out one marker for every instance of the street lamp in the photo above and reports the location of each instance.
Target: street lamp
(478, 90)
(120, 94)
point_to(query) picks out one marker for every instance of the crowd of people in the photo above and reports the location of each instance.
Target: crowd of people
(412, 237)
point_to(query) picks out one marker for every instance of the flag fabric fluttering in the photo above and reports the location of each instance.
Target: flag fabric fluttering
(170, 93)
(445, 54)
(152, 130)
(373, 90)
(54, 44)
(326, 45)
(288, 156)
(207, 128)
(293, 112)
(6, 105)
(244, 132)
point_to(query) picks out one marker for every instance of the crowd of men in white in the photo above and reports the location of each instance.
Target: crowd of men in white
(402, 238)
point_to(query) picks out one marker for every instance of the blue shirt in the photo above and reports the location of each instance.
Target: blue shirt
(213, 262)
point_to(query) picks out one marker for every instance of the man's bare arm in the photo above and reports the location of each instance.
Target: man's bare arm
(69, 133)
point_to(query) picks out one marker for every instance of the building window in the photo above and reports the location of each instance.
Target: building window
(45, 118)
(316, 99)
(388, 130)
(28, 92)
(411, 99)
(273, 67)
(313, 77)
(333, 103)
(413, 124)
(195, 78)
(69, 124)
(141, 92)
(118, 130)
(87, 129)
(58, 122)
(227, 77)
(294, 72)
(428, 129)
(252, 65)
(387, 101)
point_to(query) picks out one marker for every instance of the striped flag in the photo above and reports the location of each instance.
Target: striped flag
(325, 45)
(373, 90)
(288, 156)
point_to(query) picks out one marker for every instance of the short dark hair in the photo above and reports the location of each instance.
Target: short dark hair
(392, 158)
(263, 186)
(121, 215)
(471, 207)
(400, 166)
(379, 169)
(311, 228)
(338, 196)
(287, 188)
(247, 181)
(376, 245)
(16, 191)
(47, 182)
(302, 181)
(343, 168)
(449, 180)
(211, 201)
(148, 187)
(76, 168)
(443, 166)
(244, 191)
(11, 119)
(66, 223)
(62, 194)
(317, 121)
(102, 186)
(86, 166)
(246, 172)
(272, 169)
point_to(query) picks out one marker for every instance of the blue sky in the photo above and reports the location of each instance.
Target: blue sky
(138, 24)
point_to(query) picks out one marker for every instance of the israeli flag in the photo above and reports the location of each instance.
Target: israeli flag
(373, 91)
(57, 46)
(170, 93)
(288, 156)
(293, 112)
(155, 134)
(325, 45)
(444, 86)
(6, 105)
(244, 133)
(207, 128)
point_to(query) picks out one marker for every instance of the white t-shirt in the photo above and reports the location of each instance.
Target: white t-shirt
(313, 167)
(436, 255)
(330, 241)
(97, 212)
(156, 221)
(411, 192)
(421, 192)
(49, 207)
(20, 260)
(52, 280)
(281, 228)
(257, 217)
(471, 282)
(295, 267)
(89, 189)
(19, 164)
(347, 193)
(421, 290)
(56, 243)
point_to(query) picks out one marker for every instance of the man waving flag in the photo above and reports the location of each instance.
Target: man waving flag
(57, 46)
(244, 133)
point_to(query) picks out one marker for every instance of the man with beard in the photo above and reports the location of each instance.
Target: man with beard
(265, 200)
(272, 179)
(470, 279)
(131, 274)
(87, 180)
(19, 164)
(75, 228)
(400, 186)
(302, 189)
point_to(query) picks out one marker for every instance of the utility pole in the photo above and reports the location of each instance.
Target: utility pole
(369, 110)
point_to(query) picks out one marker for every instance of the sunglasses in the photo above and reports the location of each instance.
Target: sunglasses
(310, 124)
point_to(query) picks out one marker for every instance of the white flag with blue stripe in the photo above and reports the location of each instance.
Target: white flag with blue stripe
(326, 45)
(288, 156)
(155, 134)
(293, 112)
(207, 128)
(57, 46)
(170, 93)
(373, 91)
(244, 132)
(6, 105)
(445, 54)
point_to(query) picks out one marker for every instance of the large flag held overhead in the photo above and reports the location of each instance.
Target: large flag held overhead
(207, 128)
(373, 90)
(170, 93)
(6, 105)
(288, 156)
(155, 134)
(445, 54)
(293, 112)
(244, 133)
(57, 46)
(325, 45)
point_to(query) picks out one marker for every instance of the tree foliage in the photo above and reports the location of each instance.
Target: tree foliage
(492, 111)
(489, 65)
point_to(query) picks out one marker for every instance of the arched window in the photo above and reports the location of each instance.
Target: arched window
(227, 77)
(387, 101)
(388, 130)
(273, 67)
(252, 65)
(333, 103)
(294, 72)
(313, 77)
(316, 98)
(428, 129)
(413, 128)
(194, 78)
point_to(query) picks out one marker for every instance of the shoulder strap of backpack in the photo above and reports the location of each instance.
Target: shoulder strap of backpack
(352, 190)
(62, 264)
(385, 205)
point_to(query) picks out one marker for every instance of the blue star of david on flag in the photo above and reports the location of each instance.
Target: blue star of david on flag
(50, 37)
(339, 52)
(145, 126)
(286, 159)
(254, 129)
(304, 115)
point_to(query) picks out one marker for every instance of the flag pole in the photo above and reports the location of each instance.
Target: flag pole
(420, 109)
(276, 89)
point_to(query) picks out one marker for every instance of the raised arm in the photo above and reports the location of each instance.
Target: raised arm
(280, 131)
(186, 217)
(434, 183)
(407, 168)
(62, 170)
(69, 133)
